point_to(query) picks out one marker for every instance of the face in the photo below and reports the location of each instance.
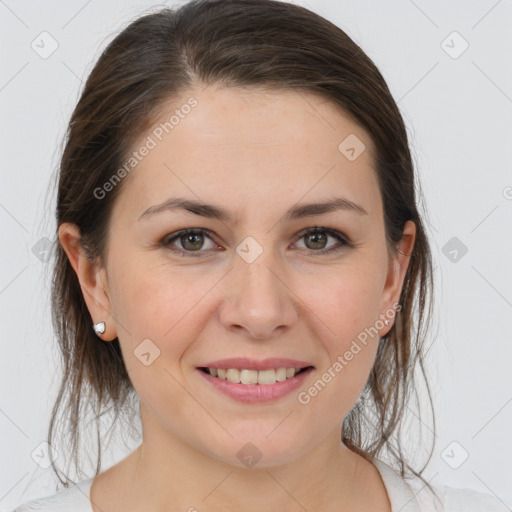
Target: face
(251, 283)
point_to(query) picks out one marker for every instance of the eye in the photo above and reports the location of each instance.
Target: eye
(192, 241)
(316, 239)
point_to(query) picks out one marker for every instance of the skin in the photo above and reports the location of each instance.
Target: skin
(256, 153)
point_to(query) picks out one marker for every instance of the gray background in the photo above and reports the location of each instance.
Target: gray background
(458, 109)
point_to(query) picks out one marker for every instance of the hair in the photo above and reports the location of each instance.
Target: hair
(243, 44)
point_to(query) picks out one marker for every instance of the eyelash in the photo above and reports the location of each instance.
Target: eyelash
(342, 239)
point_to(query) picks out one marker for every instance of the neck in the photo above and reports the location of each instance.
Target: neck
(174, 475)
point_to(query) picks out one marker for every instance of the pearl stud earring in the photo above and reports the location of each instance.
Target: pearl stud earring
(99, 328)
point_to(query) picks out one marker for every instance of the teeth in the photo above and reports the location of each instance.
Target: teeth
(281, 374)
(233, 375)
(253, 376)
(268, 376)
(248, 376)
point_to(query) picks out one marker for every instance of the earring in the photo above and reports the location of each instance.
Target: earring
(386, 322)
(99, 328)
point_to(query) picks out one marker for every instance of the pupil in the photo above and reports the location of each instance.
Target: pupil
(190, 238)
(315, 237)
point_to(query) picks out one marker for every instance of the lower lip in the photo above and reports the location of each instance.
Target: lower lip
(251, 393)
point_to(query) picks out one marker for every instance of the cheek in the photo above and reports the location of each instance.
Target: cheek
(345, 301)
(346, 307)
(158, 302)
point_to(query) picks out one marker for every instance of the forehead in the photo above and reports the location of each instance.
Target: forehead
(252, 143)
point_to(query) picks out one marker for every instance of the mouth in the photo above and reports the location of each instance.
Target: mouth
(263, 382)
(249, 376)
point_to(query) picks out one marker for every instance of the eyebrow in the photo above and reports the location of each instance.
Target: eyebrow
(218, 212)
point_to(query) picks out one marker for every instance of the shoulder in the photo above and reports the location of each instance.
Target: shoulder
(71, 499)
(413, 495)
(468, 500)
(451, 499)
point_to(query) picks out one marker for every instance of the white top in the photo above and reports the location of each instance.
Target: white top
(409, 495)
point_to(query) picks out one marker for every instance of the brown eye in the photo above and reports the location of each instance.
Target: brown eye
(191, 241)
(316, 240)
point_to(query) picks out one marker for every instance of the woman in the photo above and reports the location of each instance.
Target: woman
(240, 247)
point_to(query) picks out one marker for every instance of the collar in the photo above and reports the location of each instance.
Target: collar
(400, 494)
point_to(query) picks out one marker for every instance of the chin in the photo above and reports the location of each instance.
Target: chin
(258, 451)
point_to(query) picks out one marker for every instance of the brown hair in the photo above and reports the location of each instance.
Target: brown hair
(237, 43)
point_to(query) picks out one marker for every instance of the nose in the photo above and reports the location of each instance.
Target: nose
(258, 299)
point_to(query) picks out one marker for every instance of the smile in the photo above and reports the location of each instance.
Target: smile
(260, 386)
(246, 376)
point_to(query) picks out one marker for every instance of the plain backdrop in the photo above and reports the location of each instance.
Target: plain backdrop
(449, 67)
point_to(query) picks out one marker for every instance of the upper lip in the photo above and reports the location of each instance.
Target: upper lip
(242, 363)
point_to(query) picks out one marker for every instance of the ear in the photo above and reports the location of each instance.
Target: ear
(92, 278)
(397, 268)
